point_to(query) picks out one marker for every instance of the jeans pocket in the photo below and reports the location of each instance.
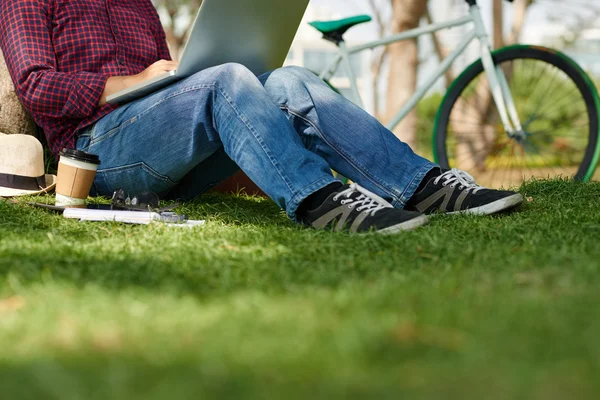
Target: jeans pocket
(100, 134)
(84, 138)
(133, 179)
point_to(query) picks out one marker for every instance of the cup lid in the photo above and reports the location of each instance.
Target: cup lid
(80, 156)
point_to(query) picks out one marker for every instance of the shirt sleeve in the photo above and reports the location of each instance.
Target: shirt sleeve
(25, 40)
(161, 39)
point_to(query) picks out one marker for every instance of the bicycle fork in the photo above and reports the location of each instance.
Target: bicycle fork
(497, 79)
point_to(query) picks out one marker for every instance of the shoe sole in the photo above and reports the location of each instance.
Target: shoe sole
(495, 207)
(405, 226)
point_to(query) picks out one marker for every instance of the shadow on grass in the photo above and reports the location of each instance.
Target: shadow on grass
(249, 243)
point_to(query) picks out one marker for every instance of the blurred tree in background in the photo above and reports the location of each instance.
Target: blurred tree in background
(174, 13)
(401, 60)
(404, 64)
(403, 57)
(576, 16)
(395, 16)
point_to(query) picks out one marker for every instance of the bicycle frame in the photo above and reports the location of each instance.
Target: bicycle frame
(496, 77)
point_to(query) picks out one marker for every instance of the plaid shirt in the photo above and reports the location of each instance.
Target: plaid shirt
(61, 52)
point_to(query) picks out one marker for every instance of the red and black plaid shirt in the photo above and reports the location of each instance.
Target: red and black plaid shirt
(61, 52)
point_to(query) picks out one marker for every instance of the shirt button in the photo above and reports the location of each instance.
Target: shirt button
(120, 62)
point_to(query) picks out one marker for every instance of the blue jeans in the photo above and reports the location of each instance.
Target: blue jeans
(286, 130)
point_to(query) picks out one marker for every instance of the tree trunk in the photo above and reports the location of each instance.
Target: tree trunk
(13, 116)
(439, 50)
(404, 62)
(498, 24)
(379, 57)
(520, 12)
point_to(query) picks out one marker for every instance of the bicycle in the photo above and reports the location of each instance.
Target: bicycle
(491, 122)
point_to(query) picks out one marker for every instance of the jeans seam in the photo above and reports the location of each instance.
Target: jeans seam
(251, 129)
(144, 166)
(112, 132)
(351, 160)
(131, 120)
(364, 171)
(88, 131)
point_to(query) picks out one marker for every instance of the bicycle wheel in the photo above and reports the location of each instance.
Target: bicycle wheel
(558, 108)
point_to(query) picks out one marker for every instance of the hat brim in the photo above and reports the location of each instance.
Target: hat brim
(9, 192)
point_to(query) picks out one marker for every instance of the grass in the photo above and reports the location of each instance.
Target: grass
(251, 306)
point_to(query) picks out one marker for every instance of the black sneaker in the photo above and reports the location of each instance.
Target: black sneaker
(455, 192)
(355, 209)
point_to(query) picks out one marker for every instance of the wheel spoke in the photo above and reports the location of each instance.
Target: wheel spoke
(554, 113)
(547, 92)
(560, 103)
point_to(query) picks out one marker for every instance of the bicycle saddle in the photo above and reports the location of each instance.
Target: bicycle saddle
(334, 30)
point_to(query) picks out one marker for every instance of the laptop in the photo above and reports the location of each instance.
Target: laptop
(256, 33)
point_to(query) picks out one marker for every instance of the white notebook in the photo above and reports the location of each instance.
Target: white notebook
(127, 217)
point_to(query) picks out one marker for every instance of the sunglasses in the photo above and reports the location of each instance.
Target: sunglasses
(145, 201)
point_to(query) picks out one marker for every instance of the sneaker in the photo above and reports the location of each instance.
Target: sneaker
(455, 192)
(355, 209)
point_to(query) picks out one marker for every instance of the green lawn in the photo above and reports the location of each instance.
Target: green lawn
(251, 306)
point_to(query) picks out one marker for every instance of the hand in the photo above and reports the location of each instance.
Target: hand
(158, 68)
(115, 84)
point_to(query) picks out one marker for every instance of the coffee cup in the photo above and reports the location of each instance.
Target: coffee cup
(76, 173)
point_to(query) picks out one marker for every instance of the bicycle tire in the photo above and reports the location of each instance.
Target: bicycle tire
(570, 68)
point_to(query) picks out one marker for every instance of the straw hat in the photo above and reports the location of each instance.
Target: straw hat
(22, 167)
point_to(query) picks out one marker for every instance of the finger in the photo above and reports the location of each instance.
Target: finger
(165, 62)
(162, 66)
(168, 67)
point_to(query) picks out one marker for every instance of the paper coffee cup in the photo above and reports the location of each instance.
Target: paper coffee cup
(76, 173)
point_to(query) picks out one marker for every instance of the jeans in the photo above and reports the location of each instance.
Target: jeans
(286, 130)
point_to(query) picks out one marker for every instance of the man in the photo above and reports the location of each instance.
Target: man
(285, 129)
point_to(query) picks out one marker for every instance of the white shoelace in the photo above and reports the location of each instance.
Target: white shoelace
(367, 201)
(458, 177)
